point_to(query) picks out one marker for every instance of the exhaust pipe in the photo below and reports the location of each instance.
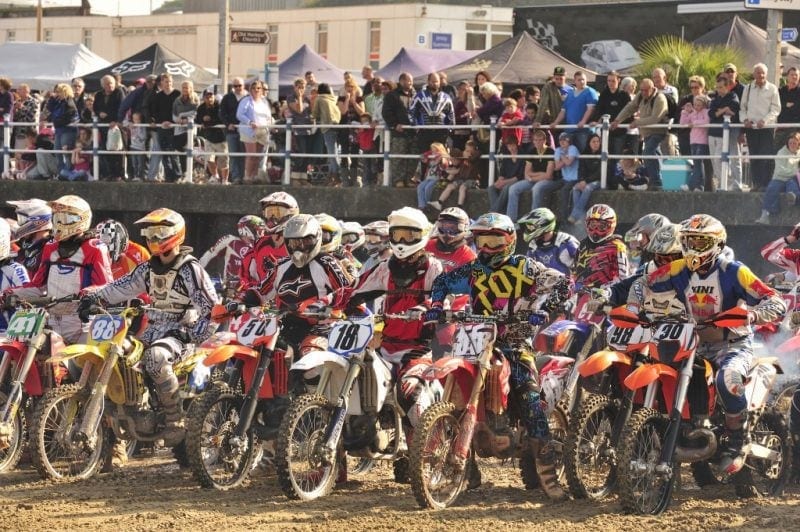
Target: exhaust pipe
(693, 454)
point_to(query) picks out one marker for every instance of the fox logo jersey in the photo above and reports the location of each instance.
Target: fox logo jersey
(601, 264)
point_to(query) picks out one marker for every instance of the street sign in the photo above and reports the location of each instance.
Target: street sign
(250, 37)
(783, 5)
(441, 41)
(789, 34)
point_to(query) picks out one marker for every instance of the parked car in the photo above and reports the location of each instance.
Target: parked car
(605, 56)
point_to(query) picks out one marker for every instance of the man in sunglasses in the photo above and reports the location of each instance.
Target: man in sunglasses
(500, 280)
(276, 209)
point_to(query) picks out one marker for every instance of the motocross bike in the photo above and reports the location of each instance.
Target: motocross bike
(654, 444)
(24, 374)
(69, 440)
(474, 416)
(228, 423)
(352, 409)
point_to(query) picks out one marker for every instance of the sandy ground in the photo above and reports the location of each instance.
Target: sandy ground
(153, 493)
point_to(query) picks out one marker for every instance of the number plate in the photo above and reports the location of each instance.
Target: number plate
(683, 332)
(472, 339)
(620, 338)
(103, 328)
(25, 324)
(253, 326)
(350, 336)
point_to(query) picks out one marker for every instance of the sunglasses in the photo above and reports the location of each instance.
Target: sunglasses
(598, 224)
(374, 239)
(275, 212)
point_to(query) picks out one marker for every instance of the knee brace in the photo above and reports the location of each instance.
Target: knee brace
(158, 360)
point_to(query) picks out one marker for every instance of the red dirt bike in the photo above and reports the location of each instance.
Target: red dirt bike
(24, 374)
(654, 444)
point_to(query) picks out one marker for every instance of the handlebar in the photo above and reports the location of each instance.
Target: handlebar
(13, 301)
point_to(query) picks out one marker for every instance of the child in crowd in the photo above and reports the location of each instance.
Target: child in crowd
(526, 144)
(631, 173)
(81, 165)
(511, 117)
(432, 168)
(138, 136)
(366, 141)
(696, 116)
(463, 175)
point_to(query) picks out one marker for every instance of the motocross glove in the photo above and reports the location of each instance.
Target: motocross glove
(434, 314)
(85, 306)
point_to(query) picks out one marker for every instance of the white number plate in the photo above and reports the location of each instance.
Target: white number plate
(24, 324)
(620, 338)
(684, 332)
(104, 328)
(472, 339)
(252, 327)
(350, 336)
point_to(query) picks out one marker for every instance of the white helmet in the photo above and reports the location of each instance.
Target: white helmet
(303, 237)
(409, 231)
(33, 215)
(277, 209)
(452, 227)
(353, 236)
(376, 236)
(5, 240)
(71, 216)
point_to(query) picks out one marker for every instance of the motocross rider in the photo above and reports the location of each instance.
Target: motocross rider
(125, 255)
(706, 284)
(35, 228)
(332, 244)
(376, 242)
(353, 238)
(602, 258)
(277, 209)
(183, 295)
(73, 260)
(11, 273)
(450, 245)
(234, 248)
(495, 281)
(638, 237)
(552, 248)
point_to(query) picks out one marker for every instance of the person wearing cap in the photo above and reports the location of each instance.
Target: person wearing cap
(734, 84)
(554, 92)
(758, 111)
(577, 109)
(212, 130)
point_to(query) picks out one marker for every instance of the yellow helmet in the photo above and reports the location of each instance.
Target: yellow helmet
(71, 216)
(164, 230)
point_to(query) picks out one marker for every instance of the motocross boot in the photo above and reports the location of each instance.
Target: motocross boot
(473, 474)
(174, 430)
(545, 457)
(117, 458)
(732, 457)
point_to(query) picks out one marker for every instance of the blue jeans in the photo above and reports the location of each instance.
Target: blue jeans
(774, 189)
(580, 138)
(425, 192)
(236, 164)
(65, 140)
(652, 146)
(73, 175)
(172, 163)
(697, 179)
(139, 161)
(512, 193)
(580, 199)
(542, 190)
(329, 137)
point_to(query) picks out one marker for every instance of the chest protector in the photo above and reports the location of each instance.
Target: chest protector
(162, 284)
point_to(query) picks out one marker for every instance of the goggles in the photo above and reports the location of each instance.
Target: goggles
(598, 225)
(449, 229)
(66, 218)
(374, 239)
(490, 242)
(698, 243)
(327, 237)
(304, 244)
(157, 232)
(405, 235)
(349, 238)
(275, 212)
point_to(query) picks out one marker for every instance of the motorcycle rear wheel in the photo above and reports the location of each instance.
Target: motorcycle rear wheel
(214, 462)
(303, 472)
(762, 477)
(52, 459)
(436, 483)
(589, 460)
(10, 456)
(641, 489)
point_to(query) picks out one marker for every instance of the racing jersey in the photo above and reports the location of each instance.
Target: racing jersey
(133, 256)
(11, 274)
(450, 259)
(558, 254)
(601, 264)
(289, 285)
(232, 249)
(258, 260)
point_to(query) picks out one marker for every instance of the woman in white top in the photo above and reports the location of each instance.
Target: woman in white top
(254, 116)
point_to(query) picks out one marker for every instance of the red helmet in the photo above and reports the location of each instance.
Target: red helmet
(601, 221)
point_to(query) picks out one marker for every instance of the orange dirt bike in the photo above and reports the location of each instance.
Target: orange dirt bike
(24, 374)
(474, 416)
(654, 444)
(228, 423)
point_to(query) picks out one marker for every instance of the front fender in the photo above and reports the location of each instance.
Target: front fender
(80, 352)
(315, 359)
(226, 352)
(601, 361)
(648, 373)
(13, 348)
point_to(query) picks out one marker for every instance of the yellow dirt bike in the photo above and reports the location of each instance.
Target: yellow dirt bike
(68, 438)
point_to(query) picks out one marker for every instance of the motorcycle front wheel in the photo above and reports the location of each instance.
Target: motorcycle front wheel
(642, 489)
(10, 455)
(304, 470)
(435, 480)
(53, 451)
(589, 458)
(216, 461)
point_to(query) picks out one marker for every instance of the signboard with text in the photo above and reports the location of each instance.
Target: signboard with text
(250, 37)
(785, 5)
(442, 41)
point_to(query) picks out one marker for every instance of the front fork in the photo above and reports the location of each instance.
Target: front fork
(93, 412)
(664, 466)
(334, 431)
(14, 399)
(463, 441)
(251, 399)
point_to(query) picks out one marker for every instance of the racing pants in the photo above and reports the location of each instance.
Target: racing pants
(734, 359)
(525, 390)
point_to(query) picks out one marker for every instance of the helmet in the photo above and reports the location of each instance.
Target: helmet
(495, 238)
(536, 223)
(452, 227)
(376, 237)
(303, 236)
(601, 220)
(409, 231)
(5, 240)
(665, 244)
(277, 208)
(115, 236)
(71, 216)
(331, 232)
(33, 215)
(164, 230)
(250, 228)
(639, 235)
(702, 239)
(352, 236)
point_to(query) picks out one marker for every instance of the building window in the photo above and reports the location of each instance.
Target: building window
(322, 39)
(11, 36)
(273, 42)
(374, 43)
(48, 35)
(87, 38)
(476, 36)
(500, 33)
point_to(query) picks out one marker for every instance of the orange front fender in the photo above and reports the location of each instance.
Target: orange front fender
(226, 352)
(644, 375)
(601, 361)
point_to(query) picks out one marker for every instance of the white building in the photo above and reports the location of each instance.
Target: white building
(349, 37)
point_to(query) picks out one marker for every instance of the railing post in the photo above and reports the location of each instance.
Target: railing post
(387, 148)
(287, 154)
(6, 143)
(725, 167)
(492, 147)
(189, 176)
(604, 132)
(95, 149)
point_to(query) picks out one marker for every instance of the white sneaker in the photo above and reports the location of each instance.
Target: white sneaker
(435, 204)
(763, 219)
(792, 197)
(213, 180)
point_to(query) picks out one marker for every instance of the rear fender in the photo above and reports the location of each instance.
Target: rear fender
(642, 376)
(601, 361)
(464, 373)
(226, 352)
(315, 359)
